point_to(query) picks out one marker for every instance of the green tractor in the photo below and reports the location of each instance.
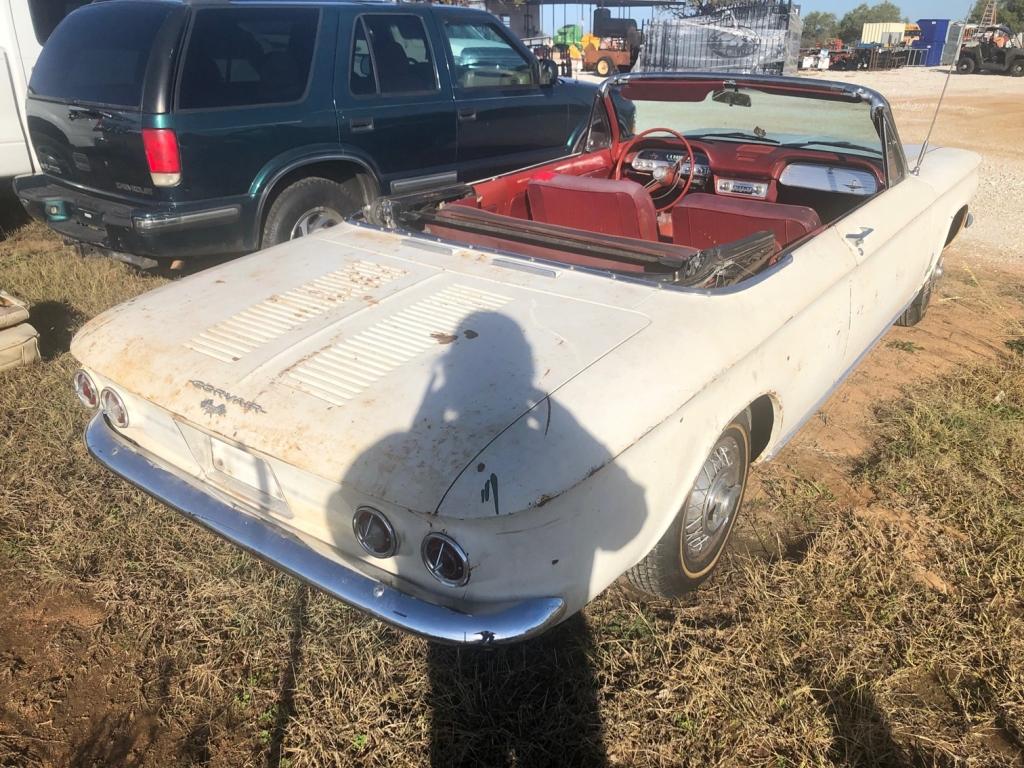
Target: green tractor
(992, 49)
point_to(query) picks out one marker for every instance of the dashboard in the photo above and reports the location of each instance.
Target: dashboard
(762, 171)
(648, 160)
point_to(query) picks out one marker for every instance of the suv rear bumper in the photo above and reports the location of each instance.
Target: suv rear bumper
(158, 230)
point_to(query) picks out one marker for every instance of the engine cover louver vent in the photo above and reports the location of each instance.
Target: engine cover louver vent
(232, 339)
(343, 370)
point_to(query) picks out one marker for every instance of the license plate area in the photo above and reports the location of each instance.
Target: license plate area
(242, 467)
(237, 471)
(93, 219)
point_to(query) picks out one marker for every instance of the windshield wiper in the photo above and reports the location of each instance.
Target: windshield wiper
(732, 135)
(839, 144)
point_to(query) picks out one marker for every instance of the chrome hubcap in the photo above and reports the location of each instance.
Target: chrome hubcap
(315, 220)
(713, 502)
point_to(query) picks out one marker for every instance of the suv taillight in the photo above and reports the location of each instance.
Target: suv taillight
(162, 156)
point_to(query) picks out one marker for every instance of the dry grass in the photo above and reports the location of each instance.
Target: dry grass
(891, 634)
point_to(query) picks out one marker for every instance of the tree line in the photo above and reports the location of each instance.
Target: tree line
(822, 26)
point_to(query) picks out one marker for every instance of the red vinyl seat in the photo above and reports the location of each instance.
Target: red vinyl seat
(703, 220)
(608, 206)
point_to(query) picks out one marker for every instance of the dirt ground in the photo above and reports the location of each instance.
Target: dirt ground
(981, 113)
(103, 662)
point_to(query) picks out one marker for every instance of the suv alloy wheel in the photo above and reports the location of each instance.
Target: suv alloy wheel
(309, 205)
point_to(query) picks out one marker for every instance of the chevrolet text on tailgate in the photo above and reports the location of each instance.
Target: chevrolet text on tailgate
(470, 412)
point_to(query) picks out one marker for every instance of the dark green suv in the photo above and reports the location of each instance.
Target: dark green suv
(170, 129)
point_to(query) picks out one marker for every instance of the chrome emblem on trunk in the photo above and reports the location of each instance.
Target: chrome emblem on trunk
(209, 407)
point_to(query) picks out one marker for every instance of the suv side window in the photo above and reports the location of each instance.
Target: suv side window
(484, 57)
(399, 60)
(245, 56)
(363, 80)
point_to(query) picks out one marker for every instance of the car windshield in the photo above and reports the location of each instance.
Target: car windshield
(748, 115)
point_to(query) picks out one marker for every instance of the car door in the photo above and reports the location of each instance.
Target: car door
(506, 119)
(395, 106)
(893, 241)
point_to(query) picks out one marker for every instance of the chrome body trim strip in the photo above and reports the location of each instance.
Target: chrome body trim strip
(423, 182)
(280, 548)
(164, 222)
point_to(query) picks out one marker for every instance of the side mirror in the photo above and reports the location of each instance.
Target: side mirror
(548, 72)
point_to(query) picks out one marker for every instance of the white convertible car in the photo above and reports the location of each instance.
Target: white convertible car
(472, 411)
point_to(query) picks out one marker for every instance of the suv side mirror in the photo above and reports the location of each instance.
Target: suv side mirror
(548, 72)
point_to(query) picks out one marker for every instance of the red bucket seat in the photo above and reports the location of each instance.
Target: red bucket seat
(703, 220)
(608, 206)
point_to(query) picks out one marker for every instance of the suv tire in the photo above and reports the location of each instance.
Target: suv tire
(966, 65)
(1017, 68)
(308, 205)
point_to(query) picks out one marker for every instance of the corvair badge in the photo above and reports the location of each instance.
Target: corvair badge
(213, 409)
(209, 407)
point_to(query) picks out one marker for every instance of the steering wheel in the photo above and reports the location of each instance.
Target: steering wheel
(665, 182)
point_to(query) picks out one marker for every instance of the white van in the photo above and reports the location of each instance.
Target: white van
(24, 27)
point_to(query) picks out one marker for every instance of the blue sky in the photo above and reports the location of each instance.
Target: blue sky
(553, 17)
(915, 9)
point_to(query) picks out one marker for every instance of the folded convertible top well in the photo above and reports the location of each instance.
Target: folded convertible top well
(710, 268)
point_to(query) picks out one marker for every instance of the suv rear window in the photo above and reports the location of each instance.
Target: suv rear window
(98, 54)
(47, 14)
(244, 56)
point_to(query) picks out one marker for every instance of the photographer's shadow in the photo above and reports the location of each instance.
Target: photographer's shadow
(534, 703)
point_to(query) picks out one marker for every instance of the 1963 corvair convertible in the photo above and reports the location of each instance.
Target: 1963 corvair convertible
(471, 412)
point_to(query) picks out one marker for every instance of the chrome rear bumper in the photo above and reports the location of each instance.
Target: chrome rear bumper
(286, 551)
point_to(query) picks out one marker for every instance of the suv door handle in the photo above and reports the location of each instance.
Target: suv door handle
(360, 124)
(467, 115)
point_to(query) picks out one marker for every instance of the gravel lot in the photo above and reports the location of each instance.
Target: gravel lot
(981, 113)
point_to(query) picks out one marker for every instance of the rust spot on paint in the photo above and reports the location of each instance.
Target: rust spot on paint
(443, 338)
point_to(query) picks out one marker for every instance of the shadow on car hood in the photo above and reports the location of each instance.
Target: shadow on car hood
(362, 355)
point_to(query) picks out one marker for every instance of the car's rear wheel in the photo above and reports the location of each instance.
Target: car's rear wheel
(965, 65)
(309, 205)
(1017, 68)
(605, 66)
(692, 546)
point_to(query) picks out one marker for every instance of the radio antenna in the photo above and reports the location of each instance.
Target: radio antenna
(945, 85)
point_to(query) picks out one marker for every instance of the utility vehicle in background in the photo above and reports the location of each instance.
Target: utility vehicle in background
(992, 49)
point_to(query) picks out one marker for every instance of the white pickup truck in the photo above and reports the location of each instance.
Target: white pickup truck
(24, 27)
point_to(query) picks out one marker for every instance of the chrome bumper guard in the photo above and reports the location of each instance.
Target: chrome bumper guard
(285, 551)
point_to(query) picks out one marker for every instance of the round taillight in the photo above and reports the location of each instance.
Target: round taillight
(113, 408)
(374, 532)
(445, 559)
(86, 389)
